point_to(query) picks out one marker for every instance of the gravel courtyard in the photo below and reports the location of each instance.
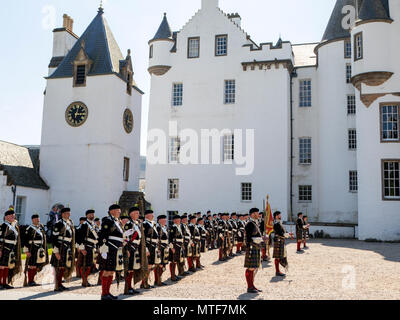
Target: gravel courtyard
(328, 270)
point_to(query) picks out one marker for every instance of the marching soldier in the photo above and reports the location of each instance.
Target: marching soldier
(176, 240)
(111, 240)
(186, 245)
(280, 254)
(86, 243)
(195, 245)
(300, 227)
(240, 234)
(63, 255)
(10, 250)
(35, 248)
(253, 250)
(306, 234)
(163, 248)
(203, 241)
(152, 238)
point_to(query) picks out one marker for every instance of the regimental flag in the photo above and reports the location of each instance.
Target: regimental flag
(269, 219)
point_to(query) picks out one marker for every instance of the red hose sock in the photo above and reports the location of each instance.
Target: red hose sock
(277, 266)
(172, 269)
(304, 244)
(104, 281)
(264, 253)
(298, 245)
(128, 279)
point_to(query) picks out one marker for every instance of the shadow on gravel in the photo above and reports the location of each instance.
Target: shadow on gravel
(390, 251)
(277, 279)
(248, 296)
(49, 293)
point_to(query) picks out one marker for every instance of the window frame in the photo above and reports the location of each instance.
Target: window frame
(353, 185)
(348, 77)
(77, 66)
(228, 140)
(174, 150)
(216, 45)
(347, 43)
(348, 105)
(151, 51)
(356, 37)
(228, 96)
(308, 195)
(188, 47)
(249, 186)
(174, 96)
(349, 139)
(126, 169)
(303, 104)
(176, 182)
(20, 209)
(387, 104)
(385, 198)
(310, 152)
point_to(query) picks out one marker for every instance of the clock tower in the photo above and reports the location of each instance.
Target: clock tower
(90, 148)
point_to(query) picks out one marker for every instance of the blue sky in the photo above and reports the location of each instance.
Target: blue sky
(27, 40)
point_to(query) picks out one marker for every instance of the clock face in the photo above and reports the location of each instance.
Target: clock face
(128, 121)
(76, 114)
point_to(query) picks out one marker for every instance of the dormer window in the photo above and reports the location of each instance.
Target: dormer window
(80, 75)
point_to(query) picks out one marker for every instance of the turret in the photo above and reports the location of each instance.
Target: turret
(160, 49)
(372, 62)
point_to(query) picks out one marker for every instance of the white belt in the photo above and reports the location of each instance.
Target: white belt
(116, 239)
(197, 238)
(179, 240)
(164, 241)
(92, 240)
(187, 237)
(14, 242)
(136, 241)
(257, 240)
(36, 242)
(65, 239)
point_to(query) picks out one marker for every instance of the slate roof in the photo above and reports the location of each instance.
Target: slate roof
(100, 46)
(164, 31)
(21, 165)
(373, 9)
(368, 10)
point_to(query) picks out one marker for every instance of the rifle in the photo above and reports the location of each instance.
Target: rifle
(27, 260)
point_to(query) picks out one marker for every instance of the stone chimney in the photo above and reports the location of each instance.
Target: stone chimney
(235, 17)
(68, 22)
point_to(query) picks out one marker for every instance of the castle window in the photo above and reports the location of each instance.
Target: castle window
(351, 104)
(347, 49)
(229, 147)
(221, 45)
(391, 179)
(151, 51)
(390, 123)
(230, 92)
(177, 94)
(353, 181)
(305, 93)
(352, 137)
(20, 208)
(305, 150)
(173, 189)
(80, 77)
(174, 149)
(193, 48)
(247, 191)
(348, 73)
(126, 169)
(305, 193)
(358, 46)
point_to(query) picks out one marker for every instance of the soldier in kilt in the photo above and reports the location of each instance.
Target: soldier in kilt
(35, 247)
(300, 227)
(10, 250)
(222, 236)
(203, 235)
(152, 239)
(176, 246)
(280, 254)
(86, 244)
(253, 250)
(306, 234)
(240, 234)
(63, 239)
(195, 244)
(163, 248)
(186, 245)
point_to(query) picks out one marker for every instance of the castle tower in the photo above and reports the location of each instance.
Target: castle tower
(90, 144)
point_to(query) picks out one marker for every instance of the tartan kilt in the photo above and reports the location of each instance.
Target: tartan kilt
(175, 257)
(279, 248)
(5, 257)
(89, 258)
(299, 235)
(253, 258)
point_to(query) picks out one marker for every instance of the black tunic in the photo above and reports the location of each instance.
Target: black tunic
(87, 239)
(34, 242)
(176, 242)
(63, 243)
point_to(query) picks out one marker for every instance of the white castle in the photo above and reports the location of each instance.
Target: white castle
(325, 118)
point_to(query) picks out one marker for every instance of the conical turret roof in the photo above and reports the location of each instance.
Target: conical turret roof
(164, 31)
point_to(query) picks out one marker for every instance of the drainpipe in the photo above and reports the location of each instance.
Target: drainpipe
(14, 191)
(293, 74)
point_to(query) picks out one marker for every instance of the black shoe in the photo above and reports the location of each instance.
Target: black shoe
(107, 297)
(252, 290)
(58, 290)
(280, 274)
(1, 287)
(163, 284)
(258, 290)
(300, 251)
(179, 278)
(186, 273)
(305, 247)
(113, 297)
(64, 288)
(33, 284)
(192, 270)
(87, 285)
(132, 292)
(7, 287)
